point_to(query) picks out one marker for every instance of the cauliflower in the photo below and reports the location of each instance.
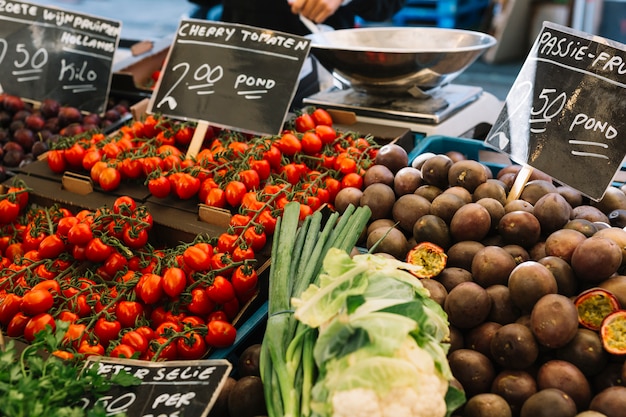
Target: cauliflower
(425, 397)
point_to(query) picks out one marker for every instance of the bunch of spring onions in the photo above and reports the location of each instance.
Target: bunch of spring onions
(298, 248)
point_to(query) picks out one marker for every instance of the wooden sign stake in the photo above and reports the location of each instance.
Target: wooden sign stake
(520, 182)
(197, 139)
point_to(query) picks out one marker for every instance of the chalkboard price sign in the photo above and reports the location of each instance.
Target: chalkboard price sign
(50, 53)
(565, 113)
(230, 75)
(167, 389)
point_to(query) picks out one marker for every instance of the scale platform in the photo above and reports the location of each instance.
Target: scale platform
(451, 110)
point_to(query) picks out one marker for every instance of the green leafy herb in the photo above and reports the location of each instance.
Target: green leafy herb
(35, 383)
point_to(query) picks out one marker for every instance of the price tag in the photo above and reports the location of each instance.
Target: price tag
(233, 76)
(169, 388)
(50, 53)
(565, 113)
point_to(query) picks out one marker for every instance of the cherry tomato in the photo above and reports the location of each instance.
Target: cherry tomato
(352, 180)
(216, 197)
(274, 156)
(255, 238)
(311, 143)
(51, 247)
(227, 242)
(50, 285)
(56, 161)
(186, 186)
(74, 155)
(79, 234)
(109, 179)
(234, 192)
(36, 302)
(150, 288)
(9, 307)
(220, 334)
(162, 348)
(221, 290)
(289, 144)
(217, 315)
(75, 334)
(191, 346)
(304, 122)
(244, 280)
(16, 325)
(198, 256)
(131, 168)
(184, 135)
(243, 252)
(326, 133)
(262, 168)
(87, 348)
(159, 187)
(174, 281)
(9, 211)
(267, 221)
(38, 323)
(97, 251)
(124, 205)
(250, 179)
(134, 237)
(129, 313)
(107, 330)
(201, 304)
(122, 351)
(136, 340)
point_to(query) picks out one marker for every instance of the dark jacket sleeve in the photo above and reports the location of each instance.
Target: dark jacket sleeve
(375, 10)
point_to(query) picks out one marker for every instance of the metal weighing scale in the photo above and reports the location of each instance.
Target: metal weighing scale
(453, 110)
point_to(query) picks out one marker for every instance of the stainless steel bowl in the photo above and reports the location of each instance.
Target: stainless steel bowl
(402, 60)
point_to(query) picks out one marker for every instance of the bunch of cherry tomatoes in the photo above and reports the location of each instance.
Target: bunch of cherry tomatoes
(97, 272)
(310, 161)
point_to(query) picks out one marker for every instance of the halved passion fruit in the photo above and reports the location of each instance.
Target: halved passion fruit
(613, 333)
(432, 258)
(594, 305)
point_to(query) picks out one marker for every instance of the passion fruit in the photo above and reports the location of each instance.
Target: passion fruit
(593, 305)
(613, 332)
(430, 257)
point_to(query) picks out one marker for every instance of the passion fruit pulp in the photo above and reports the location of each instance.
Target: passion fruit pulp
(432, 258)
(613, 332)
(594, 305)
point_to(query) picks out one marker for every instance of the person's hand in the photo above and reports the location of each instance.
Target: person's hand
(315, 10)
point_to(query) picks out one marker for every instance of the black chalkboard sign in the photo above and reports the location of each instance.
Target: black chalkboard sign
(51, 53)
(169, 388)
(565, 113)
(230, 75)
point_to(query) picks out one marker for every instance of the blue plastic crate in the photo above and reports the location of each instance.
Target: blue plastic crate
(474, 149)
(441, 13)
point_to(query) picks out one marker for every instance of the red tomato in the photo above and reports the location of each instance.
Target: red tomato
(116, 262)
(109, 179)
(147, 332)
(250, 179)
(159, 187)
(217, 315)
(36, 302)
(311, 143)
(322, 117)
(37, 324)
(274, 156)
(9, 211)
(221, 290)
(150, 288)
(91, 349)
(129, 313)
(75, 334)
(220, 334)
(243, 252)
(304, 122)
(136, 340)
(186, 186)
(174, 281)
(124, 205)
(9, 307)
(167, 328)
(162, 348)
(50, 285)
(16, 325)
(326, 133)
(201, 304)
(134, 237)
(292, 172)
(184, 135)
(234, 192)
(198, 256)
(51, 247)
(74, 155)
(97, 251)
(244, 280)
(80, 234)
(289, 144)
(268, 221)
(131, 168)
(255, 238)
(191, 346)
(56, 161)
(352, 180)
(122, 351)
(216, 197)
(107, 330)
(227, 242)
(221, 262)
(262, 168)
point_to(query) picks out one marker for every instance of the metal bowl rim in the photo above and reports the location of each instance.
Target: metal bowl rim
(489, 40)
